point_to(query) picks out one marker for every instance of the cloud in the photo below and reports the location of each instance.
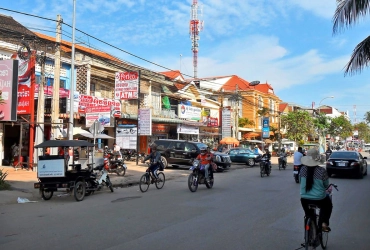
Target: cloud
(321, 8)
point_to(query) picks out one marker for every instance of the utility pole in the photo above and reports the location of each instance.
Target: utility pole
(40, 109)
(71, 92)
(55, 101)
(279, 129)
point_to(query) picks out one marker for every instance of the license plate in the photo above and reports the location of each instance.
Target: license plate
(341, 164)
(295, 172)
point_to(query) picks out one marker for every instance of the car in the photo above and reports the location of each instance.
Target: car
(243, 155)
(181, 152)
(347, 163)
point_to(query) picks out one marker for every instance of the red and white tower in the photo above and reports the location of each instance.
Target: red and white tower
(196, 26)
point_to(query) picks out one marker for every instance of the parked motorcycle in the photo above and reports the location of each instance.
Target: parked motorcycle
(97, 180)
(129, 154)
(114, 163)
(198, 176)
(296, 170)
(141, 156)
(265, 166)
(282, 161)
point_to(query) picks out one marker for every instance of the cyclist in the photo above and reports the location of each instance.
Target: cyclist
(205, 159)
(154, 157)
(314, 182)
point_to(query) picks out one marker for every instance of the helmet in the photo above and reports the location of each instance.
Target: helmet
(106, 147)
(153, 147)
(203, 150)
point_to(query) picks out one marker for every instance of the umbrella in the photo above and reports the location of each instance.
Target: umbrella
(79, 130)
(229, 140)
(268, 141)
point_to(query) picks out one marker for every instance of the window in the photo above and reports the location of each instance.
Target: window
(190, 147)
(260, 102)
(156, 101)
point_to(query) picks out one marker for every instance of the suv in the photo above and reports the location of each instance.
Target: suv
(182, 152)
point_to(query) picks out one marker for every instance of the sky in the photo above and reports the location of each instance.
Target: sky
(287, 43)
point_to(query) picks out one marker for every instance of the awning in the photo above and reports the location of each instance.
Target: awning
(245, 129)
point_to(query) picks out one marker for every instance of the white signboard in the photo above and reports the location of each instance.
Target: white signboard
(190, 130)
(103, 118)
(126, 136)
(226, 123)
(50, 168)
(145, 122)
(126, 85)
(189, 112)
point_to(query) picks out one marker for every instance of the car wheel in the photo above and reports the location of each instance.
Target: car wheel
(251, 162)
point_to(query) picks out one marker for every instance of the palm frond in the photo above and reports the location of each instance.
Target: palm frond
(348, 12)
(360, 58)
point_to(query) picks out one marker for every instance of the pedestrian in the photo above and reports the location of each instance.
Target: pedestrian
(24, 153)
(14, 152)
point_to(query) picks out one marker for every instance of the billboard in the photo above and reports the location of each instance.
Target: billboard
(126, 85)
(8, 90)
(265, 127)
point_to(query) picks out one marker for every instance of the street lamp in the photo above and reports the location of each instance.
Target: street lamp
(321, 136)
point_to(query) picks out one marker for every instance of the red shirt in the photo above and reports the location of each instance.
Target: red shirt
(205, 159)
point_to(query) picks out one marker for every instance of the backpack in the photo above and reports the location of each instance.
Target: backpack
(161, 165)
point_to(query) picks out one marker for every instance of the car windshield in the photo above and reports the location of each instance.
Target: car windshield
(202, 145)
(344, 155)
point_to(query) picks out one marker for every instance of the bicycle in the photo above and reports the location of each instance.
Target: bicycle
(314, 236)
(147, 178)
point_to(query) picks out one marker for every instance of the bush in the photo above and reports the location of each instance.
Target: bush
(3, 184)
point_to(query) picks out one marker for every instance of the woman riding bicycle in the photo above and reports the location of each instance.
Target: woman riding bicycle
(314, 182)
(154, 157)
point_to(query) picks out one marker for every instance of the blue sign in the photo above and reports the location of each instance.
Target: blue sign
(266, 128)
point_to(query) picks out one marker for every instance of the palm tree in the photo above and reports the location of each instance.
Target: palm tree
(348, 12)
(243, 122)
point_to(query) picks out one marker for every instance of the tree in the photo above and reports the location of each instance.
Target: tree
(340, 126)
(263, 111)
(348, 12)
(363, 131)
(298, 124)
(322, 123)
(244, 122)
(367, 117)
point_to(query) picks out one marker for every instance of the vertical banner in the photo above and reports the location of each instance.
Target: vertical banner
(265, 127)
(226, 123)
(145, 122)
(8, 90)
(126, 85)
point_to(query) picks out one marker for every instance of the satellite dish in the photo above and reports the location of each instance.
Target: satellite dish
(254, 83)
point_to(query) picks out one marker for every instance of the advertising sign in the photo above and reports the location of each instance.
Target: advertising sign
(226, 123)
(145, 121)
(126, 85)
(26, 79)
(50, 168)
(189, 112)
(8, 90)
(126, 136)
(184, 129)
(102, 117)
(48, 92)
(93, 104)
(266, 128)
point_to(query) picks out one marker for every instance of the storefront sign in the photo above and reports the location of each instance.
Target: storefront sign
(226, 123)
(93, 104)
(8, 90)
(145, 121)
(184, 129)
(51, 168)
(210, 121)
(126, 136)
(126, 85)
(189, 112)
(102, 117)
(265, 128)
(160, 129)
(48, 91)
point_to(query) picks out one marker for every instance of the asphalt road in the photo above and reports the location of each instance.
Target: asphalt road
(241, 211)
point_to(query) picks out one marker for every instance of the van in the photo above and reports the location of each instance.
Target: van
(366, 147)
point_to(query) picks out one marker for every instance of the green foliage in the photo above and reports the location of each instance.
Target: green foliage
(322, 122)
(298, 124)
(3, 184)
(263, 111)
(340, 126)
(244, 122)
(367, 117)
(363, 131)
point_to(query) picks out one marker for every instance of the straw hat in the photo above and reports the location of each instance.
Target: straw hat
(312, 158)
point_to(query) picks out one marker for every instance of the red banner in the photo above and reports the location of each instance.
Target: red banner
(26, 80)
(93, 104)
(48, 91)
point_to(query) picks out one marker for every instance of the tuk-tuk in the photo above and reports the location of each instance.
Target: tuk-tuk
(60, 172)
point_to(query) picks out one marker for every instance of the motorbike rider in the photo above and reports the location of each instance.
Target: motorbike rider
(314, 182)
(297, 158)
(328, 152)
(283, 155)
(117, 150)
(268, 156)
(205, 159)
(154, 157)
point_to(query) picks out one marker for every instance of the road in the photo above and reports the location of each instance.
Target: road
(242, 211)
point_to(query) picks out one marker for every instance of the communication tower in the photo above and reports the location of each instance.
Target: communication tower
(196, 26)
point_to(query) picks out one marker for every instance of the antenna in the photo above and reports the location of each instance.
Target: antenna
(196, 26)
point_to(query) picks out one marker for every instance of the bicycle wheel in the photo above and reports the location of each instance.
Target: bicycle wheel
(144, 182)
(310, 234)
(324, 239)
(161, 180)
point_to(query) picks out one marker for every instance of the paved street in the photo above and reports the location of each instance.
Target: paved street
(242, 211)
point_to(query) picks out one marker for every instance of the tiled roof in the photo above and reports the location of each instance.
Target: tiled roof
(172, 74)
(66, 47)
(282, 106)
(265, 87)
(9, 25)
(235, 82)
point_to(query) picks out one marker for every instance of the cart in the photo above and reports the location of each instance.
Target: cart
(54, 171)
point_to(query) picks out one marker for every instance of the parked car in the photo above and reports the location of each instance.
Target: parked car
(243, 155)
(182, 152)
(347, 163)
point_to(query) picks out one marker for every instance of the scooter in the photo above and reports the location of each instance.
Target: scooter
(97, 180)
(296, 170)
(114, 164)
(265, 167)
(282, 161)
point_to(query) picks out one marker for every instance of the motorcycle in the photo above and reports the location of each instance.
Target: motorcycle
(282, 161)
(141, 156)
(114, 163)
(296, 170)
(265, 166)
(93, 184)
(198, 176)
(129, 155)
